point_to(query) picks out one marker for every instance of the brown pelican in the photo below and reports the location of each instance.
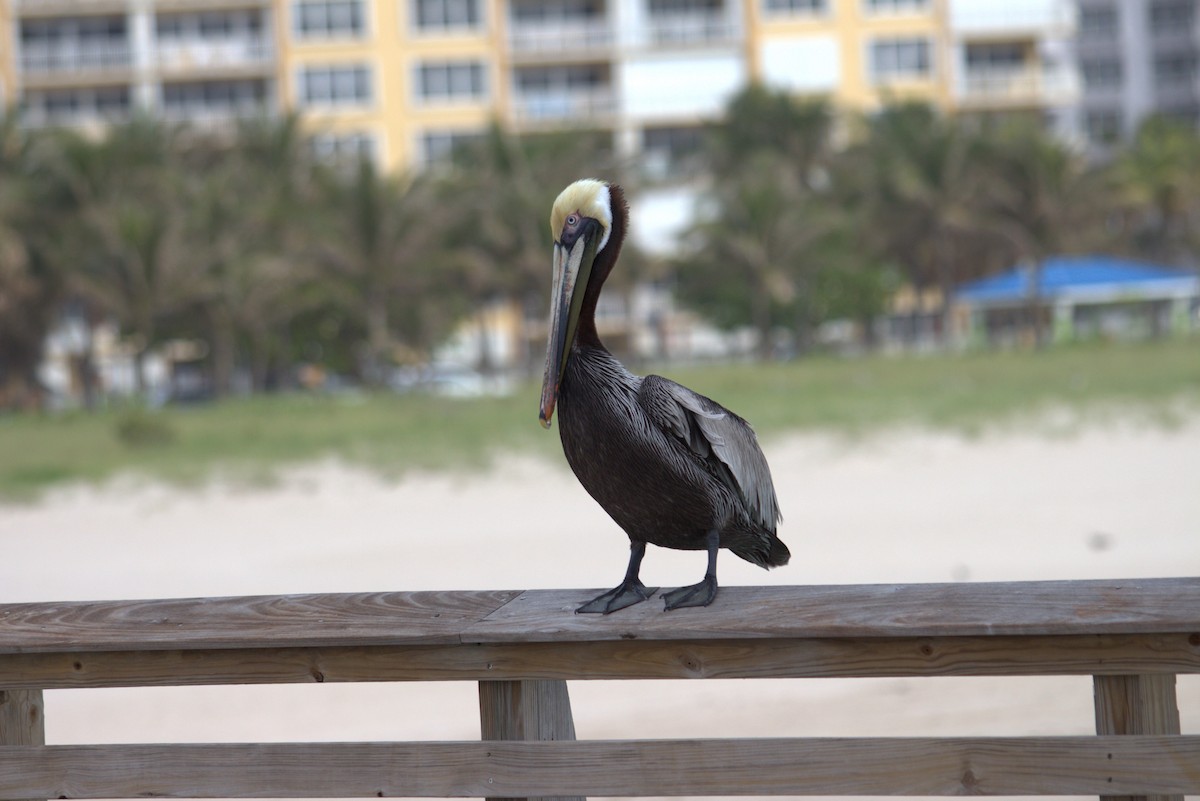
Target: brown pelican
(670, 466)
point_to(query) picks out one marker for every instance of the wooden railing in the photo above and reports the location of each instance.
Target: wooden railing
(1132, 636)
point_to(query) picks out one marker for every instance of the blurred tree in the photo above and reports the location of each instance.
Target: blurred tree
(1043, 198)
(759, 120)
(1157, 179)
(765, 225)
(129, 226)
(917, 180)
(381, 241)
(753, 255)
(251, 217)
(30, 287)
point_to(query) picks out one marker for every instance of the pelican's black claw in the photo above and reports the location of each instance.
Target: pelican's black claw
(627, 594)
(701, 594)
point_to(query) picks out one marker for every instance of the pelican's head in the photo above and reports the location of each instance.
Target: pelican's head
(581, 222)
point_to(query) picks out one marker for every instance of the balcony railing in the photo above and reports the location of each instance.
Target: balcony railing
(563, 104)
(690, 29)
(975, 17)
(73, 7)
(1018, 86)
(75, 57)
(212, 117)
(534, 38)
(85, 116)
(199, 54)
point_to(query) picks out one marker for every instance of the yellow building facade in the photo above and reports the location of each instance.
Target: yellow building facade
(404, 80)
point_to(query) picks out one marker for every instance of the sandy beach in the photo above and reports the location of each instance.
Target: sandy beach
(1102, 501)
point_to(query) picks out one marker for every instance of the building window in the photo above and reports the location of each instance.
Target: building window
(340, 85)
(1168, 16)
(1098, 22)
(206, 95)
(344, 147)
(438, 147)
(995, 56)
(1102, 127)
(1174, 69)
(672, 152)
(895, 6)
(447, 81)
(75, 106)
(442, 15)
(329, 19)
(1102, 74)
(893, 59)
(796, 6)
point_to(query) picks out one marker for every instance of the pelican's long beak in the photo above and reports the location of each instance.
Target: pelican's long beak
(572, 268)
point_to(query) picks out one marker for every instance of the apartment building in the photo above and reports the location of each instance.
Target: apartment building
(1016, 56)
(1137, 58)
(404, 80)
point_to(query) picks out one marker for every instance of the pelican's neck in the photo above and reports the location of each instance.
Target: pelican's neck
(586, 334)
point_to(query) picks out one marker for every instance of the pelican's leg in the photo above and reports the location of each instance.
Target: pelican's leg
(701, 594)
(629, 592)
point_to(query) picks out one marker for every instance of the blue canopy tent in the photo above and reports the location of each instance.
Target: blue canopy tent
(1086, 296)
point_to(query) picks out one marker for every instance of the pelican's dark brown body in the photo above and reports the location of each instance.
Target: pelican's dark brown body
(671, 467)
(651, 482)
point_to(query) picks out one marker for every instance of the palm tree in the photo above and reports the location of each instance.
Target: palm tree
(251, 219)
(760, 120)
(1157, 180)
(1043, 198)
(917, 181)
(755, 256)
(383, 245)
(30, 289)
(130, 219)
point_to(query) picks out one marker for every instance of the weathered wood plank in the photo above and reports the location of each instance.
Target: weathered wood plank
(1129, 765)
(255, 621)
(526, 710)
(621, 659)
(1133, 705)
(873, 610)
(1157, 606)
(22, 719)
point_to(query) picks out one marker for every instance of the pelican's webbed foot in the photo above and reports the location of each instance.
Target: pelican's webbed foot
(701, 594)
(626, 594)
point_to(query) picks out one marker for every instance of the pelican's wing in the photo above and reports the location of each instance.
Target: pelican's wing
(710, 430)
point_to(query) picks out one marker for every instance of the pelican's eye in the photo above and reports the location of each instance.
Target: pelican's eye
(572, 220)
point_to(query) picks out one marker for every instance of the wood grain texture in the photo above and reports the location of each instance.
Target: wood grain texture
(621, 659)
(526, 710)
(875, 610)
(22, 720)
(1126, 765)
(1140, 606)
(255, 621)
(1137, 705)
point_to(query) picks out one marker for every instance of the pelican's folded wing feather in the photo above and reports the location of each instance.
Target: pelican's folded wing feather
(710, 430)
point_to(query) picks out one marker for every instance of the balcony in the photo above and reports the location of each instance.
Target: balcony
(73, 8)
(1005, 17)
(215, 55)
(567, 36)
(76, 57)
(690, 28)
(76, 108)
(1015, 88)
(556, 105)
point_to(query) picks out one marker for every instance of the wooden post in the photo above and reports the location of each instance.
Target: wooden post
(21, 718)
(526, 710)
(1144, 704)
